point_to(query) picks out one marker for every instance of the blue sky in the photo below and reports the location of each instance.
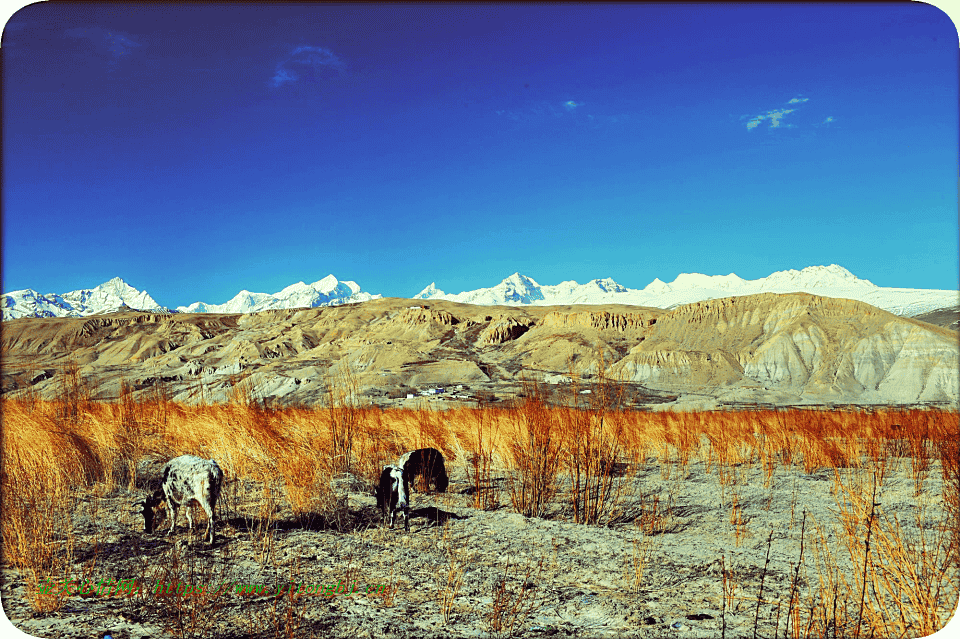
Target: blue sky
(198, 150)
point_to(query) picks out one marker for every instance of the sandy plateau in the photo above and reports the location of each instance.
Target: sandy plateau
(714, 524)
(767, 349)
(577, 506)
(581, 579)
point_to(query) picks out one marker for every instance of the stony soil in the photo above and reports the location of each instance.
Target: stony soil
(548, 576)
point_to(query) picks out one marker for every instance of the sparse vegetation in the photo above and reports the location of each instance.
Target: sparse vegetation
(867, 572)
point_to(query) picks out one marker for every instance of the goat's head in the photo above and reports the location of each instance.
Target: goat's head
(399, 487)
(148, 508)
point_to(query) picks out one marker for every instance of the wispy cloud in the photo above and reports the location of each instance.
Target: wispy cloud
(306, 63)
(775, 116)
(571, 111)
(111, 44)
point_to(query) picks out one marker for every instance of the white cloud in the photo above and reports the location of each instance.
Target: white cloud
(570, 105)
(113, 44)
(309, 63)
(775, 116)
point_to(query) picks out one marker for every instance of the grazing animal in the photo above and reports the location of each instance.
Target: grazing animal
(393, 494)
(427, 462)
(186, 478)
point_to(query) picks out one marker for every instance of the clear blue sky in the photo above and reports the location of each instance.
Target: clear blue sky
(198, 150)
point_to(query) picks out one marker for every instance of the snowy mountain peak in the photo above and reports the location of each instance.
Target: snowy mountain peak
(814, 276)
(329, 283)
(519, 289)
(697, 280)
(516, 289)
(657, 286)
(608, 285)
(520, 280)
(430, 292)
(110, 296)
(828, 281)
(328, 291)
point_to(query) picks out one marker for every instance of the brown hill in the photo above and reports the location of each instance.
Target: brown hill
(767, 348)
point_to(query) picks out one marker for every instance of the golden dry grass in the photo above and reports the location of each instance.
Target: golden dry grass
(51, 450)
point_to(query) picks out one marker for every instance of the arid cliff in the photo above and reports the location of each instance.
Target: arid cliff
(766, 348)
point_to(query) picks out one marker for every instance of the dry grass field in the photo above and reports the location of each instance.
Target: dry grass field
(559, 520)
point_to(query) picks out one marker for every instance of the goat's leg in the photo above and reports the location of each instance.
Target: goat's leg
(187, 507)
(209, 510)
(172, 513)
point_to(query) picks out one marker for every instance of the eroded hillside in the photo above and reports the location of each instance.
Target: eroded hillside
(767, 348)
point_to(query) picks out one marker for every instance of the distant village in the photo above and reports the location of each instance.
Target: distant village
(440, 390)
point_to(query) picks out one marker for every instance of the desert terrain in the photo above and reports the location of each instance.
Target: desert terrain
(559, 521)
(766, 349)
(577, 505)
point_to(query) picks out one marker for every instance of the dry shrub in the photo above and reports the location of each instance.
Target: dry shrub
(513, 601)
(536, 455)
(378, 445)
(949, 452)
(594, 447)
(43, 465)
(167, 581)
(903, 583)
(486, 494)
(285, 458)
(450, 582)
(644, 544)
(433, 432)
(344, 421)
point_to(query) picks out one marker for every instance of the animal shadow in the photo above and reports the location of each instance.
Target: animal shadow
(434, 515)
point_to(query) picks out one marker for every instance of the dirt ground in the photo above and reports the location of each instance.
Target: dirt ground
(465, 572)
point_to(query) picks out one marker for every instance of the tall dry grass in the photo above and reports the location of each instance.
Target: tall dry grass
(292, 456)
(594, 451)
(536, 454)
(480, 461)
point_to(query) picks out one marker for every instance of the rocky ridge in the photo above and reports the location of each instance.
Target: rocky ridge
(767, 348)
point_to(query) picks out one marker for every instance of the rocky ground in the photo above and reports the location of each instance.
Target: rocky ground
(465, 572)
(786, 349)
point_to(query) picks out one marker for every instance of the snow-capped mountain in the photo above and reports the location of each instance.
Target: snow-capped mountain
(519, 289)
(108, 297)
(828, 281)
(111, 296)
(516, 290)
(326, 292)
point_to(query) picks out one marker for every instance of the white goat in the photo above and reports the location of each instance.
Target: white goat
(186, 478)
(393, 494)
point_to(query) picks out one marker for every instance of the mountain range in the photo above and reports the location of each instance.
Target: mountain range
(516, 290)
(767, 349)
(826, 281)
(326, 292)
(110, 297)
(116, 295)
